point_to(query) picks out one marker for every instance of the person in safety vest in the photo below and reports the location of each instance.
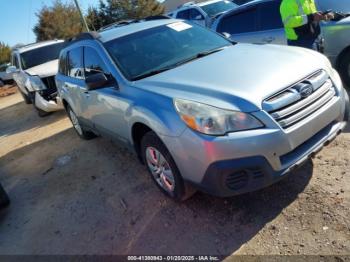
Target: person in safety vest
(302, 22)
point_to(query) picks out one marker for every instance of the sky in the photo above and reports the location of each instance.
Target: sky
(18, 19)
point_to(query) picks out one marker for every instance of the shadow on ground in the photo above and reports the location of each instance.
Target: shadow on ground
(27, 119)
(102, 201)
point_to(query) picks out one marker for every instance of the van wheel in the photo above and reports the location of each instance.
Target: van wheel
(26, 98)
(344, 68)
(86, 135)
(41, 113)
(163, 169)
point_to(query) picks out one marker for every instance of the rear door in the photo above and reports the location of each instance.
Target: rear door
(19, 76)
(241, 26)
(260, 23)
(270, 26)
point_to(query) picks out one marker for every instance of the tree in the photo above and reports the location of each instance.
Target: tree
(111, 11)
(5, 53)
(60, 21)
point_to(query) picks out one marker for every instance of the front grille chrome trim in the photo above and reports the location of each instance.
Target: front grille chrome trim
(300, 100)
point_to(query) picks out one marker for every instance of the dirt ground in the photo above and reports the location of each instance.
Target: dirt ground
(71, 196)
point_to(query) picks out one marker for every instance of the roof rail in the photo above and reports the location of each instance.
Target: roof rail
(133, 21)
(116, 24)
(85, 36)
(156, 17)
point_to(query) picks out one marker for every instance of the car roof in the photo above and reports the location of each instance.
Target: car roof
(29, 47)
(120, 31)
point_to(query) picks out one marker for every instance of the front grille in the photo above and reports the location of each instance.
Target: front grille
(301, 100)
(51, 89)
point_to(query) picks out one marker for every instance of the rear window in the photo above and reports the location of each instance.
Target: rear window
(270, 17)
(243, 22)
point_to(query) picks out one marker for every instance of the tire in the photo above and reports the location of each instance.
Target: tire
(1, 83)
(83, 134)
(344, 68)
(4, 199)
(41, 113)
(26, 98)
(156, 156)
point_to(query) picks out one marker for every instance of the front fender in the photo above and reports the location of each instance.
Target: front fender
(159, 114)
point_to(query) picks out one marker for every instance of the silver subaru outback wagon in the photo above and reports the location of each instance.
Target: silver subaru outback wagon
(200, 111)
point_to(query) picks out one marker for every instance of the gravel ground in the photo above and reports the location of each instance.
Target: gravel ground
(93, 197)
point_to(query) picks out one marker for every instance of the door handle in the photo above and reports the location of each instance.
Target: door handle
(269, 39)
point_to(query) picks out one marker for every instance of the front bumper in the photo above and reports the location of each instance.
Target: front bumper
(47, 106)
(247, 161)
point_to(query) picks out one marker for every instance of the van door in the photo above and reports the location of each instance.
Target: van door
(19, 76)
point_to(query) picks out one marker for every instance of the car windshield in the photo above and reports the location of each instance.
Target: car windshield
(41, 55)
(218, 7)
(161, 48)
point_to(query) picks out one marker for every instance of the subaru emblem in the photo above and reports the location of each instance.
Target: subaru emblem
(305, 91)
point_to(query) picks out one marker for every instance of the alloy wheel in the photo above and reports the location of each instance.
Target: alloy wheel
(160, 169)
(75, 122)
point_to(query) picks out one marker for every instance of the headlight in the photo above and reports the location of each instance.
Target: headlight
(212, 120)
(36, 83)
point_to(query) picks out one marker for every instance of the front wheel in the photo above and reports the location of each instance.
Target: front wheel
(1, 83)
(163, 169)
(27, 99)
(86, 135)
(344, 68)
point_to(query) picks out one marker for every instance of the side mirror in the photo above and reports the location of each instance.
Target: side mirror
(11, 70)
(96, 81)
(199, 17)
(226, 35)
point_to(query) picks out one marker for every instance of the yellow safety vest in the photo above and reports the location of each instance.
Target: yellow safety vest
(294, 14)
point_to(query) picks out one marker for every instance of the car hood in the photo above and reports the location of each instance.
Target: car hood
(239, 77)
(44, 70)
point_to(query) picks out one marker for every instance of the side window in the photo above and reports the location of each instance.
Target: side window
(93, 62)
(185, 14)
(195, 14)
(243, 22)
(74, 63)
(269, 16)
(62, 64)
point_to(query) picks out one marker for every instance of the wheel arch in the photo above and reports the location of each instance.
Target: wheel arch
(138, 130)
(342, 53)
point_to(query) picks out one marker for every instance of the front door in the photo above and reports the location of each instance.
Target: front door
(105, 106)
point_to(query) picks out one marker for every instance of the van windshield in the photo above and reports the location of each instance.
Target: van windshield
(218, 7)
(161, 48)
(41, 55)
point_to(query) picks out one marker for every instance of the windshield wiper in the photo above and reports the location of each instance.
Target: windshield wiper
(158, 71)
